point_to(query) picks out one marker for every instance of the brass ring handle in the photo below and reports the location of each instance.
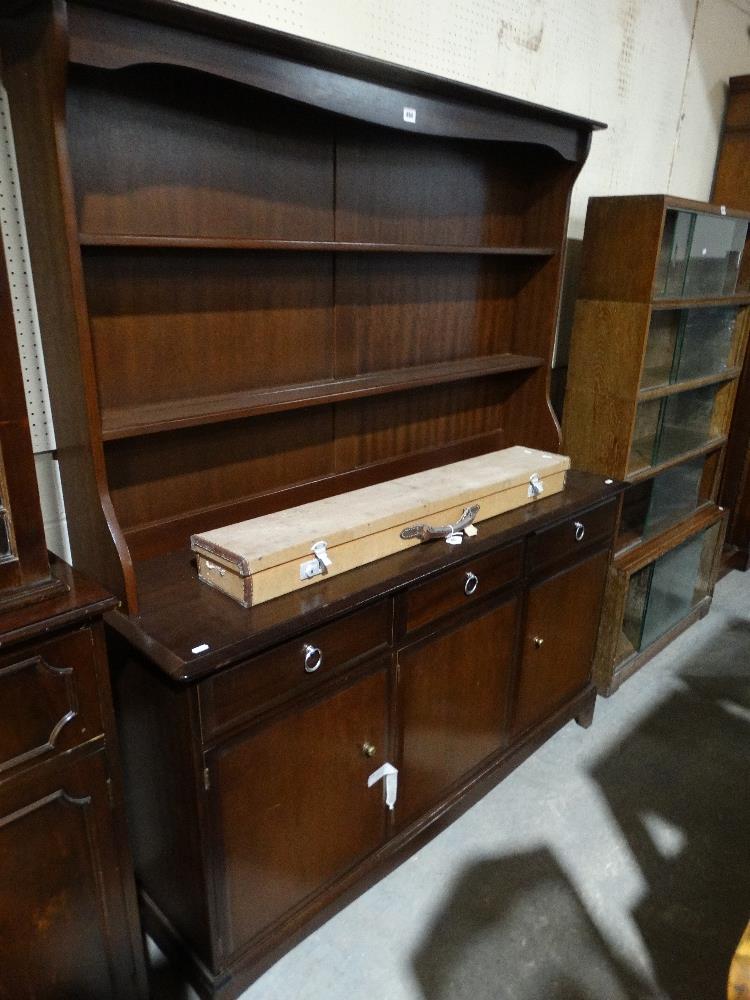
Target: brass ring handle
(538, 641)
(471, 584)
(580, 530)
(313, 658)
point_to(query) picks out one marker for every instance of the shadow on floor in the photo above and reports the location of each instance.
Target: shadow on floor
(679, 788)
(516, 929)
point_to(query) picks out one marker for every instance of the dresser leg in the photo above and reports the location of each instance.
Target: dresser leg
(585, 716)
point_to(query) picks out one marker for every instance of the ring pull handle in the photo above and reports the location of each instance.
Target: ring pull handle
(580, 530)
(471, 583)
(313, 658)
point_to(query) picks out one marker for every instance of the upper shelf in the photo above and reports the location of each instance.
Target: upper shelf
(328, 246)
(134, 421)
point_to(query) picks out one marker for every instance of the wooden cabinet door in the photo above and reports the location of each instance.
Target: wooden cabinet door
(562, 620)
(291, 804)
(453, 698)
(63, 927)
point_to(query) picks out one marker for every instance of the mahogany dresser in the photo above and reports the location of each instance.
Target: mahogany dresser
(270, 271)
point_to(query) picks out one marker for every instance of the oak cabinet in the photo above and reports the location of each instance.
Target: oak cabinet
(659, 339)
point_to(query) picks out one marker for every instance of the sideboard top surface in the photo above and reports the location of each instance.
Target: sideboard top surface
(179, 613)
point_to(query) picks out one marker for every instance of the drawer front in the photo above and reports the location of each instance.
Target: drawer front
(243, 691)
(48, 699)
(548, 547)
(461, 585)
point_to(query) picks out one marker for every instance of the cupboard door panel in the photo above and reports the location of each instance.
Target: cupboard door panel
(562, 621)
(58, 919)
(453, 696)
(292, 804)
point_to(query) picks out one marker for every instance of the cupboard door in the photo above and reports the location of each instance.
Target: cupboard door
(62, 919)
(453, 697)
(562, 621)
(292, 805)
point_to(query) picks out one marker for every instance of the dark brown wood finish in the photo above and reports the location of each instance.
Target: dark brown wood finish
(555, 658)
(453, 696)
(181, 155)
(732, 186)
(275, 288)
(68, 914)
(214, 826)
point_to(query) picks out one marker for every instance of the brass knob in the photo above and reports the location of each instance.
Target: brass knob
(538, 641)
(368, 749)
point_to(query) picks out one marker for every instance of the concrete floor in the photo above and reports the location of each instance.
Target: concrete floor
(613, 864)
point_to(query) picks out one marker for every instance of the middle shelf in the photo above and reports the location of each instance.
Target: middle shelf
(172, 414)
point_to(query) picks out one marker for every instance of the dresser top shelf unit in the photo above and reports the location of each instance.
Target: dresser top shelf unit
(283, 270)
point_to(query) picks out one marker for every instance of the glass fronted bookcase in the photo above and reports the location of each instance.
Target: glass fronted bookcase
(658, 345)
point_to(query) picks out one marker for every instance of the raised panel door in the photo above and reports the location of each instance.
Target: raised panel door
(62, 922)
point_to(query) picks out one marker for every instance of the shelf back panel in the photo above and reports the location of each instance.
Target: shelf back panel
(181, 324)
(162, 151)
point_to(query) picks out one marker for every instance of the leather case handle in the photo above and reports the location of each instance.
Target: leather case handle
(426, 532)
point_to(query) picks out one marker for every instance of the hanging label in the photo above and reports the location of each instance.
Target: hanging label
(390, 773)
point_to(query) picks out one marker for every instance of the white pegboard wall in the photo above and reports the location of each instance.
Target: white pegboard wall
(13, 233)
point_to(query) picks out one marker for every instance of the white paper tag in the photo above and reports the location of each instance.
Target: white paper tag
(470, 530)
(390, 773)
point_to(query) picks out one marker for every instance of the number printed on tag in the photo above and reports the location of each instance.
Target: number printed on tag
(410, 115)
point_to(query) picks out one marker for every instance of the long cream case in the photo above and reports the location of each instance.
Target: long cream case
(262, 558)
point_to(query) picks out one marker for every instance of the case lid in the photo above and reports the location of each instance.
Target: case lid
(262, 542)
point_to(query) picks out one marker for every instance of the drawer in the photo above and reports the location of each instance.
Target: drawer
(294, 667)
(461, 585)
(550, 546)
(48, 699)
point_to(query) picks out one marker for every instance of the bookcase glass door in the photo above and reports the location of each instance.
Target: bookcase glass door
(700, 255)
(685, 344)
(663, 593)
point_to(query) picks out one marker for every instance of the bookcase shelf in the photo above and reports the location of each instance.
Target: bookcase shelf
(651, 388)
(182, 413)
(321, 246)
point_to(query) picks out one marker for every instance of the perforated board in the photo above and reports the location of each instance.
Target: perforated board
(13, 232)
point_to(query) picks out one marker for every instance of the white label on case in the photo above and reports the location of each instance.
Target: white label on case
(200, 649)
(410, 115)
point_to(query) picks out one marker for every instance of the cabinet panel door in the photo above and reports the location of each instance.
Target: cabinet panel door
(62, 923)
(562, 620)
(292, 804)
(453, 697)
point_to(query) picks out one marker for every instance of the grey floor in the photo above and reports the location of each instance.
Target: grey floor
(613, 864)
